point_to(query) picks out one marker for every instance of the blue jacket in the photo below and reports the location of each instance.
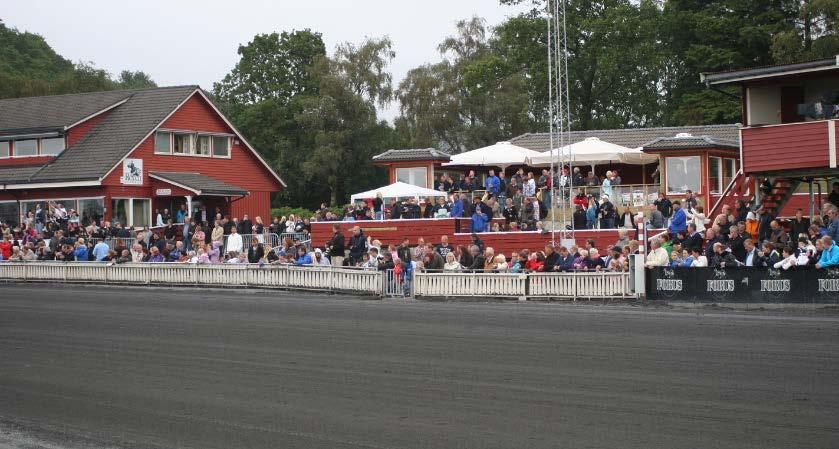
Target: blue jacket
(833, 230)
(479, 222)
(457, 209)
(679, 221)
(493, 185)
(81, 253)
(830, 256)
(305, 259)
(100, 251)
(591, 214)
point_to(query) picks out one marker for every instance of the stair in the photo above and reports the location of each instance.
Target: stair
(782, 190)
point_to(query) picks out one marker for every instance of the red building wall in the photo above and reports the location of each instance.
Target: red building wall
(786, 147)
(76, 133)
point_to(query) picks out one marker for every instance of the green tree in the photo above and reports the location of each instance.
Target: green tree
(814, 34)
(135, 80)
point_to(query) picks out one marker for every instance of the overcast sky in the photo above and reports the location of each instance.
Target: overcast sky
(195, 41)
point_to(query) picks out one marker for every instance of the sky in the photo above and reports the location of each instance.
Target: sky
(181, 42)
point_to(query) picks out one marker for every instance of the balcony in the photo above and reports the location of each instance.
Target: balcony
(803, 146)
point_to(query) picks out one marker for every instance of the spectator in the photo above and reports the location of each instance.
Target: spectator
(336, 246)
(565, 260)
(451, 263)
(255, 252)
(606, 188)
(699, 259)
(697, 217)
(663, 205)
(80, 251)
(318, 259)
(830, 252)
(679, 220)
(799, 225)
(235, 244)
(833, 197)
(778, 236)
(464, 257)
(607, 212)
(477, 259)
(358, 245)
(658, 257)
(789, 260)
(100, 251)
(444, 249)
(432, 260)
(657, 219)
(722, 258)
(736, 244)
(479, 220)
(155, 256)
(594, 262)
(579, 219)
(510, 212)
(303, 257)
(768, 255)
(551, 259)
(833, 214)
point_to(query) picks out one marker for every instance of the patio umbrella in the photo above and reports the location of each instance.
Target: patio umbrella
(592, 151)
(501, 154)
(398, 190)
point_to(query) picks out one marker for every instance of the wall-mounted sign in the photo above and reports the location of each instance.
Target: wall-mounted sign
(163, 192)
(132, 172)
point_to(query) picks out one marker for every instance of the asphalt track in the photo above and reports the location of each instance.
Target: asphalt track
(93, 367)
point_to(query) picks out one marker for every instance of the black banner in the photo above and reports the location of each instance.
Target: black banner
(748, 284)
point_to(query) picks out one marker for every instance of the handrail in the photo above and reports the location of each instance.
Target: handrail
(735, 180)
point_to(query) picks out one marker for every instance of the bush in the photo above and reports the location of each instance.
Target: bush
(305, 213)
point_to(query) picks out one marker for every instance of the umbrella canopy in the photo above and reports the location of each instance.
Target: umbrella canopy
(502, 154)
(592, 151)
(398, 190)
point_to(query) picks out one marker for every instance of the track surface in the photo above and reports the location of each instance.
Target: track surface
(87, 367)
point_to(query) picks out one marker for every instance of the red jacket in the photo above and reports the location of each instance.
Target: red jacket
(6, 249)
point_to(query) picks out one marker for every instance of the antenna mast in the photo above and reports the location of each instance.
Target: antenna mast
(559, 115)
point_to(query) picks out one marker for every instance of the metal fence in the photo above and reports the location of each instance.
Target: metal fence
(523, 286)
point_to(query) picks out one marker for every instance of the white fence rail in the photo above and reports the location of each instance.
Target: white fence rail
(381, 283)
(281, 276)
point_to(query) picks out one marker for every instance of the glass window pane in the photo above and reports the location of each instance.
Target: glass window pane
(52, 147)
(26, 148)
(683, 173)
(728, 170)
(161, 143)
(183, 144)
(9, 213)
(414, 176)
(142, 212)
(203, 146)
(91, 210)
(119, 210)
(221, 146)
(4, 149)
(715, 174)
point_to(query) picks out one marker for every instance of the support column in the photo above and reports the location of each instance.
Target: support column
(188, 207)
(812, 199)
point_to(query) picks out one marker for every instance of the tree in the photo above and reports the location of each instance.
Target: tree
(814, 34)
(135, 80)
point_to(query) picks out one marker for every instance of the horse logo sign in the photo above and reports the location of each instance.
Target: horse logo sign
(132, 172)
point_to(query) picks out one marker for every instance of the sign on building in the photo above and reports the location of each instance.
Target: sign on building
(132, 172)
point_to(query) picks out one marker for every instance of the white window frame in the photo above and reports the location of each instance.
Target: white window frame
(130, 210)
(15, 155)
(189, 151)
(171, 143)
(424, 178)
(41, 146)
(197, 137)
(667, 175)
(213, 138)
(717, 189)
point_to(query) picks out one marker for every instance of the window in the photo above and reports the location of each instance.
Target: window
(91, 210)
(131, 212)
(52, 147)
(9, 213)
(413, 175)
(683, 173)
(202, 147)
(729, 168)
(162, 143)
(715, 183)
(221, 146)
(4, 149)
(26, 148)
(183, 144)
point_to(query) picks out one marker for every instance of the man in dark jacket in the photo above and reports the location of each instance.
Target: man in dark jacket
(255, 252)
(799, 225)
(580, 219)
(722, 258)
(358, 245)
(404, 251)
(737, 243)
(477, 259)
(336, 247)
(551, 259)
(694, 238)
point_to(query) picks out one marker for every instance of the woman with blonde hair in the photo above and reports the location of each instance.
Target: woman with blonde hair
(451, 263)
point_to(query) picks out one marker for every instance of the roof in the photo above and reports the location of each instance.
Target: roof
(631, 137)
(684, 142)
(771, 71)
(122, 130)
(412, 154)
(200, 184)
(17, 173)
(56, 112)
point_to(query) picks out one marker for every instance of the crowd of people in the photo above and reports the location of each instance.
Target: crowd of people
(522, 200)
(740, 237)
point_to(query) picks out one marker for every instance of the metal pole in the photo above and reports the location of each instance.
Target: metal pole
(812, 200)
(551, 110)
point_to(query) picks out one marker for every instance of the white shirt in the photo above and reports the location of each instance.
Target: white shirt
(234, 243)
(529, 188)
(702, 261)
(787, 263)
(698, 219)
(658, 258)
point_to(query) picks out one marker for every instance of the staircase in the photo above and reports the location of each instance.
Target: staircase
(741, 188)
(782, 190)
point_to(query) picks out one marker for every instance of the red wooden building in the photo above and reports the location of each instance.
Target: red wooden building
(123, 154)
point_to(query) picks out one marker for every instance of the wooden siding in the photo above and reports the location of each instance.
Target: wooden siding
(786, 147)
(76, 133)
(393, 231)
(242, 169)
(258, 203)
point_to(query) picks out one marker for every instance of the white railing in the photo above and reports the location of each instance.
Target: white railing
(423, 284)
(522, 286)
(279, 276)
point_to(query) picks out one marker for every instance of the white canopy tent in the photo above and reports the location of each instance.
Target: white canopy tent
(592, 151)
(398, 190)
(501, 154)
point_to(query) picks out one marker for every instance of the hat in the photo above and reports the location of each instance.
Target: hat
(750, 216)
(318, 251)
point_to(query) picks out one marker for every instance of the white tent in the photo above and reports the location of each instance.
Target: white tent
(398, 190)
(502, 154)
(593, 151)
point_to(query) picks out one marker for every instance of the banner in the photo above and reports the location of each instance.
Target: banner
(747, 284)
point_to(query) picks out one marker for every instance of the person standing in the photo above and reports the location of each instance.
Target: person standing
(336, 247)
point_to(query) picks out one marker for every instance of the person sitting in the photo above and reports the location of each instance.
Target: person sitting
(565, 261)
(658, 257)
(318, 259)
(451, 263)
(830, 253)
(594, 262)
(699, 259)
(303, 257)
(722, 257)
(579, 263)
(477, 259)
(789, 260)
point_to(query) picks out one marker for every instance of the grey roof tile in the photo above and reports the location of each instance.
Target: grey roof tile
(17, 174)
(55, 111)
(412, 154)
(690, 142)
(766, 71)
(631, 137)
(204, 184)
